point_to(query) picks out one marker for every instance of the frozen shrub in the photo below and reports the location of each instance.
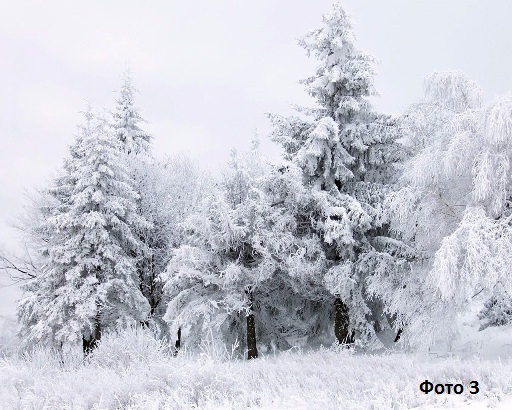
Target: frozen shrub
(127, 346)
(497, 311)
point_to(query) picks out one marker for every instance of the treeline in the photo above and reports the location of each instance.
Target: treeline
(369, 225)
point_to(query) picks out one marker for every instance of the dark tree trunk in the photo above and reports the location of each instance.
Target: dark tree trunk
(177, 345)
(399, 333)
(392, 322)
(341, 323)
(90, 343)
(252, 351)
(149, 285)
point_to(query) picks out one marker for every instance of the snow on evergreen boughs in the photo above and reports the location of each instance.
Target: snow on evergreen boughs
(242, 238)
(323, 236)
(208, 276)
(346, 153)
(344, 73)
(323, 157)
(127, 119)
(289, 132)
(89, 278)
(497, 311)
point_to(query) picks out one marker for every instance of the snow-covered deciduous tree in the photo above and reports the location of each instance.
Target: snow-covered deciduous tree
(34, 230)
(453, 208)
(346, 152)
(436, 135)
(89, 281)
(169, 190)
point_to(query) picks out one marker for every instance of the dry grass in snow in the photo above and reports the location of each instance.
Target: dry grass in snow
(134, 371)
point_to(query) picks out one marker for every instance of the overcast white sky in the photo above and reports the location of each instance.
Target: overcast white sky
(208, 71)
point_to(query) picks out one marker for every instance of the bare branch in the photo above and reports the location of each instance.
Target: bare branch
(17, 269)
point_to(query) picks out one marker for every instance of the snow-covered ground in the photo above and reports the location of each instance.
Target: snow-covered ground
(133, 371)
(492, 343)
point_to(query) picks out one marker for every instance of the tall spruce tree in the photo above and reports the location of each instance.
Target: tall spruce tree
(88, 282)
(127, 119)
(135, 146)
(345, 151)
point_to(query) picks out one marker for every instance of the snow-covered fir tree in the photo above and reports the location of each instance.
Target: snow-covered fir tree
(229, 277)
(147, 179)
(211, 279)
(127, 120)
(37, 231)
(346, 153)
(89, 282)
(293, 304)
(145, 176)
(246, 271)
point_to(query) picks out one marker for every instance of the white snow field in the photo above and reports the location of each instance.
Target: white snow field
(134, 371)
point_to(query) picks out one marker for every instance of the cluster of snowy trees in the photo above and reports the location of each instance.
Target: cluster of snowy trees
(102, 234)
(368, 223)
